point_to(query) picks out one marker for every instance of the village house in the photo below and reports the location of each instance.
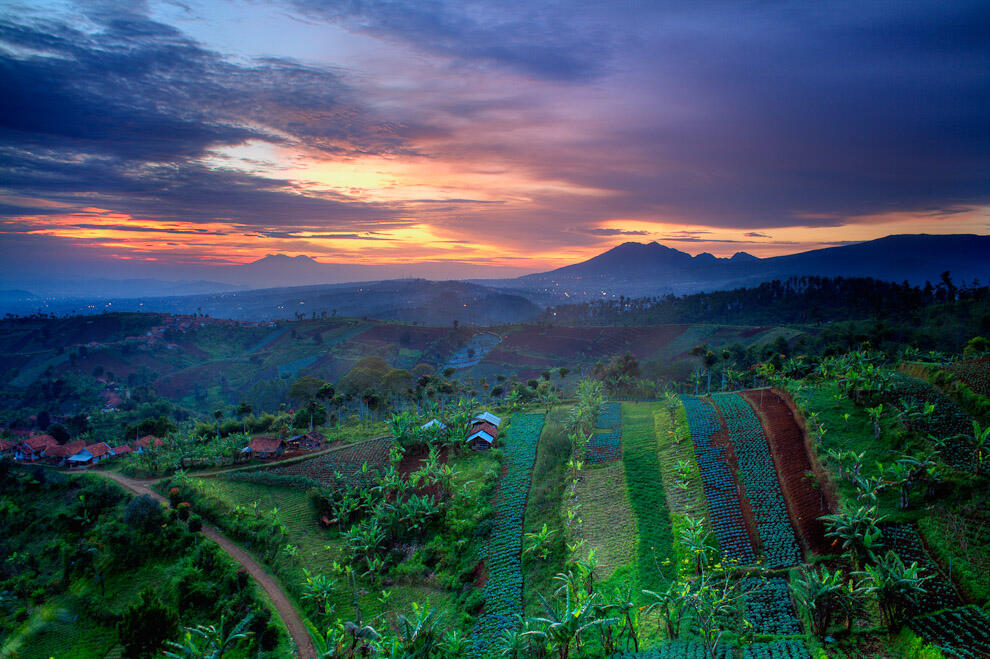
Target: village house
(33, 448)
(6, 447)
(57, 455)
(147, 442)
(486, 417)
(123, 449)
(264, 447)
(307, 442)
(100, 451)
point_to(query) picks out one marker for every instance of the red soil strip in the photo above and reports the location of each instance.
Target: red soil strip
(721, 438)
(805, 502)
(414, 459)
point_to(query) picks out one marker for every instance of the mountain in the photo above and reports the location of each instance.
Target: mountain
(637, 269)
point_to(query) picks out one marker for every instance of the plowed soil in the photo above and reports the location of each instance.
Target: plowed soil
(805, 502)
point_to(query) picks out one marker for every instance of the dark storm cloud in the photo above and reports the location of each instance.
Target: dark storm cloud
(119, 117)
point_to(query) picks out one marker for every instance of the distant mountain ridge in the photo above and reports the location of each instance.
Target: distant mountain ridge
(637, 269)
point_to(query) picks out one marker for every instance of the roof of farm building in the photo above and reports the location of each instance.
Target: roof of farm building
(98, 449)
(65, 450)
(264, 444)
(485, 430)
(487, 416)
(38, 442)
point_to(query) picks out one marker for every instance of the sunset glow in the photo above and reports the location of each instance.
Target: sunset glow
(235, 130)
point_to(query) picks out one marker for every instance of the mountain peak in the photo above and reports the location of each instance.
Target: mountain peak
(285, 258)
(741, 257)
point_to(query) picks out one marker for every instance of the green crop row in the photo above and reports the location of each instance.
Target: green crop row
(503, 553)
(759, 478)
(646, 493)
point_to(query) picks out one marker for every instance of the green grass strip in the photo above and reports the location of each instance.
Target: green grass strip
(646, 493)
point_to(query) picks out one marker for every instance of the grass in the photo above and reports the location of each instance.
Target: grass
(543, 506)
(646, 492)
(681, 475)
(858, 436)
(608, 524)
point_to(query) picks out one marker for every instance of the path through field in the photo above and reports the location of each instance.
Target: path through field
(290, 616)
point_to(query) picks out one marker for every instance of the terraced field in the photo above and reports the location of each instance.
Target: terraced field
(503, 554)
(759, 478)
(608, 522)
(354, 464)
(605, 444)
(805, 501)
(645, 486)
(718, 482)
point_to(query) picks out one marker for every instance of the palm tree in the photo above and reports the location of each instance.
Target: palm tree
(208, 641)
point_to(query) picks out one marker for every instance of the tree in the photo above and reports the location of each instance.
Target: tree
(548, 396)
(146, 625)
(218, 414)
(144, 514)
(242, 411)
(875, 413)
(319, 589)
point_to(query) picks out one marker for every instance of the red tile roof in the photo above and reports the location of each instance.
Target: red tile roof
(489, 428)
(40, 442)
(265, 444)
(98, 449)
(148, 440)
(5, 445)
(65, 450)
(122, 449)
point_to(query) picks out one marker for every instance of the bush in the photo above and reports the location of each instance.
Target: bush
(146, 625)
(195, 523)
(144, 514)
(183, 511)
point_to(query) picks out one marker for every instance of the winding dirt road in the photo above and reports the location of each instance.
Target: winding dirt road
(271, 586)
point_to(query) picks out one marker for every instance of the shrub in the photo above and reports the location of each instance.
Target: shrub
(144, 514)
(183, 510)
(195, 523)
(146, 625)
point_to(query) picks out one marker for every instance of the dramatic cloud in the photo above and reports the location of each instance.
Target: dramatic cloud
(405, 131)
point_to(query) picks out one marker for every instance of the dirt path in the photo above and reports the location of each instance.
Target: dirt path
(290, 616)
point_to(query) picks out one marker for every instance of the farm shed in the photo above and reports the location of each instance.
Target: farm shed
(486, 417)
(433, 423)
(308, 441)
(482, 436)
(265, 447)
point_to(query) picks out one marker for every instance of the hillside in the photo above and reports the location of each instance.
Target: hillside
(636, 269)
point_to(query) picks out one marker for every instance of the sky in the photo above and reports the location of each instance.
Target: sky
(164, 138)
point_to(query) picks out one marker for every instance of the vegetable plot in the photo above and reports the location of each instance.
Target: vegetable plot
(356, 464)
(719, 484)
(503, 552)
(606, 446)
(769, 608)
(962, 632)
(759, 478)
(904, 540)
(785, 649)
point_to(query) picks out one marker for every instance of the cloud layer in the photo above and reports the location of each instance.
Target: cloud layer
(441, 128)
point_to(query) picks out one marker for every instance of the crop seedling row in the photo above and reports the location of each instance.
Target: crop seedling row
(759, 478)
(606, 447)
(503, 552)
(718, 482)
